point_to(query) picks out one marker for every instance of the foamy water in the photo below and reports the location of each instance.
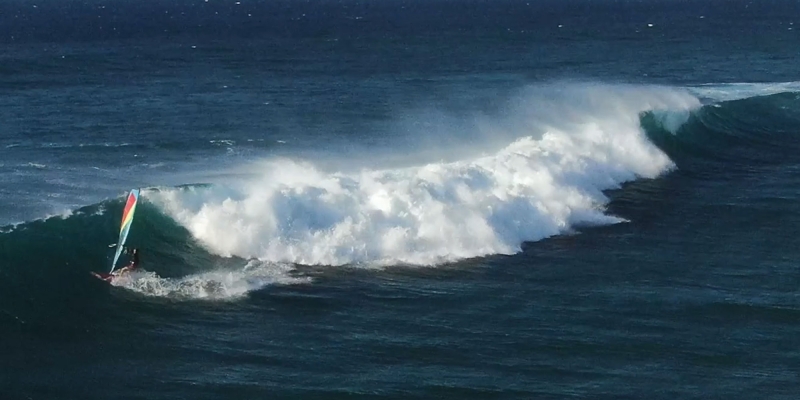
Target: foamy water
(567, 145)
(213, 285)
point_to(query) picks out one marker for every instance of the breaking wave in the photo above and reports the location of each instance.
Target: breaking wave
(565, 146)
(543, 167)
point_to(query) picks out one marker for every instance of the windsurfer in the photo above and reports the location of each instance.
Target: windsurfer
(131, 266)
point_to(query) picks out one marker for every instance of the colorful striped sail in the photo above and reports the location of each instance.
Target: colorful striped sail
(127, 218)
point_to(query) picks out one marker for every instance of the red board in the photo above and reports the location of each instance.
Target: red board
(103, 277)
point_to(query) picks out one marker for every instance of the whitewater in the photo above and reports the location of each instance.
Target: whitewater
(564, 145)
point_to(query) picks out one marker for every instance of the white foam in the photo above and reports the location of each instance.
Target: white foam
(718, 92)
(564, 145)
(10, 227)
(64, 213)
(215, 285)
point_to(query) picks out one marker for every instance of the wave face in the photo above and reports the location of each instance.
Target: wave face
(567, 144)
(48, 261)
(742, 125)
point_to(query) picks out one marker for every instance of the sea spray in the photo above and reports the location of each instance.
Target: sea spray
(567, 145)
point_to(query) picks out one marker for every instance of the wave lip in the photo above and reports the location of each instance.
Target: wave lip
(722, 92)
(571, 144)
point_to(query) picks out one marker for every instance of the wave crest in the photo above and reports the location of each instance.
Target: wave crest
(572, 143)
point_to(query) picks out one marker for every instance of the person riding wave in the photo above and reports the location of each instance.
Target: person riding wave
(132, 265)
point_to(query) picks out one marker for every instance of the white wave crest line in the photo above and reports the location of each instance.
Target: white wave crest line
(719, 92)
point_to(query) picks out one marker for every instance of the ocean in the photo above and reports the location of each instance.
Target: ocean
(401, 199)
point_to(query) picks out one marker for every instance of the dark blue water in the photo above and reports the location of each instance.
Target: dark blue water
(401, 199)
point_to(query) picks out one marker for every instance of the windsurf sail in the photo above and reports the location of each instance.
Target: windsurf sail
(125, 227)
